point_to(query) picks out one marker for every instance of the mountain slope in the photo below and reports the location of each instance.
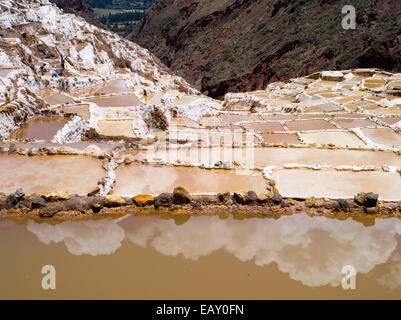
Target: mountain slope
(82, 8)
(242, 45)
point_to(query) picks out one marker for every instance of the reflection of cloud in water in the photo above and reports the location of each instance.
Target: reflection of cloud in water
(392, 278)
(91, 237)
(312, 251)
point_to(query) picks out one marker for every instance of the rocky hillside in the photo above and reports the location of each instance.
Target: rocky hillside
(82, 8)
(242, 45)
(38, 32)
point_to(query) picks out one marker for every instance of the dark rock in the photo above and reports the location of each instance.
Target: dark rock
(105, 156)
(13, 148)
(163, 200)
(251, 197)
(96, 207)
(239, 197)
(343, 204)
(277, 198)
(38, 202)
(19, 194)
(223, 197)
(181, 196)
(262, 199)
(11, 200)
(371, 199)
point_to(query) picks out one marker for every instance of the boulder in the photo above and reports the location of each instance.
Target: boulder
(360, 198)
(163, 200)
(143, 200)
(262, 198)
(277, 198)
(239, 197)
(96, 207)
(371, 199)
(11, 200)
(38, 202)
(19, 194)
(343, 204)
(223, 197)
(56, 196)
(310, 202)
(181, 196)
(114, 201)
(251, 197)
(12, 148)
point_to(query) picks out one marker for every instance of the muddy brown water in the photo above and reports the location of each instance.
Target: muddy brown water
(201, 257)
(40, 128)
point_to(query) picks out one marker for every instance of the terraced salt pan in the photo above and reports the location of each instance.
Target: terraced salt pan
(262, 157)
(325, 107)
(263, 126)
(337, 184)
(5, 72)
(387, 111)
(139, 179)
(288, 138)
(278, 117)
(116, 128)
(116, 86)
(384, 136)
(210, 122)
(40, 128)
(81, 110)
(73, 174)
(354, 123)
(128, 100)
(337, 138)
(309, 125)
(233, 118)
(391, 120)
(54, 98)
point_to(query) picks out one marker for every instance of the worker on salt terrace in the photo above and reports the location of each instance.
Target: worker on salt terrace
(62, 63)
(61, 73)
(54, 74)
(42, 68)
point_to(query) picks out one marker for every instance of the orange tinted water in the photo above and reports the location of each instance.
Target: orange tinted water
(202, 258)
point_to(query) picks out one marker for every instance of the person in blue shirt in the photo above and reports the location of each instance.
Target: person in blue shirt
(54, 74)
(42, 68)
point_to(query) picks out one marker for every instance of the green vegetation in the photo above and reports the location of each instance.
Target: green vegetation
(120, 16)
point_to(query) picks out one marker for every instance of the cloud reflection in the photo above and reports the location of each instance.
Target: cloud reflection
(310, 250)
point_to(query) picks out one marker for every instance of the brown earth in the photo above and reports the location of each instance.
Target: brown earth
(225, 46)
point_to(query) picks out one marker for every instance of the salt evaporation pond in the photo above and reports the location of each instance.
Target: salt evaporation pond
(40, 128)
(202, 257)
